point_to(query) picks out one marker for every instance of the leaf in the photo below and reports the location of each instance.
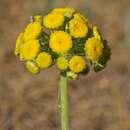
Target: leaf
(85, 71)
(54, 55)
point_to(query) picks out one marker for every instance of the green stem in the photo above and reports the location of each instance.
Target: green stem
(64, 102)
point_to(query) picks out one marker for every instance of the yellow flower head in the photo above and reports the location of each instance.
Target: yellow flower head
(82, 18)
(96, 33)
(53, 20)
(19, 42)
(44, 60)
(33, 31)
(67, 12)
(30, 49)
(78, 28)
(77, 64)
(62, 63)
(32, 67)
(94, 48)
(60, 42)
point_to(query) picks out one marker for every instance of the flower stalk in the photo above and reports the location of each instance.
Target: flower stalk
(64, 102)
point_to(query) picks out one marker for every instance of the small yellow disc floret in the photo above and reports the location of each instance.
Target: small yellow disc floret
(60, 42)
(44, 60)
(32, 67)
(67, 12)
(78, 28)
(77, 64)
(30, 49)
(33, 31)
(94, 48)
(53, 20)
(62, 63)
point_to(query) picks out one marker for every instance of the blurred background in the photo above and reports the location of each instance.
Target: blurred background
(97, 102)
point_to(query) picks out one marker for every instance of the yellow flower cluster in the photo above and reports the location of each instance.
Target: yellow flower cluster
(28, 47)
(63, 37)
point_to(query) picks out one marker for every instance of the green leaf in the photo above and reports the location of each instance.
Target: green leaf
(53, 54)
(85, 71)
(102, 61)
